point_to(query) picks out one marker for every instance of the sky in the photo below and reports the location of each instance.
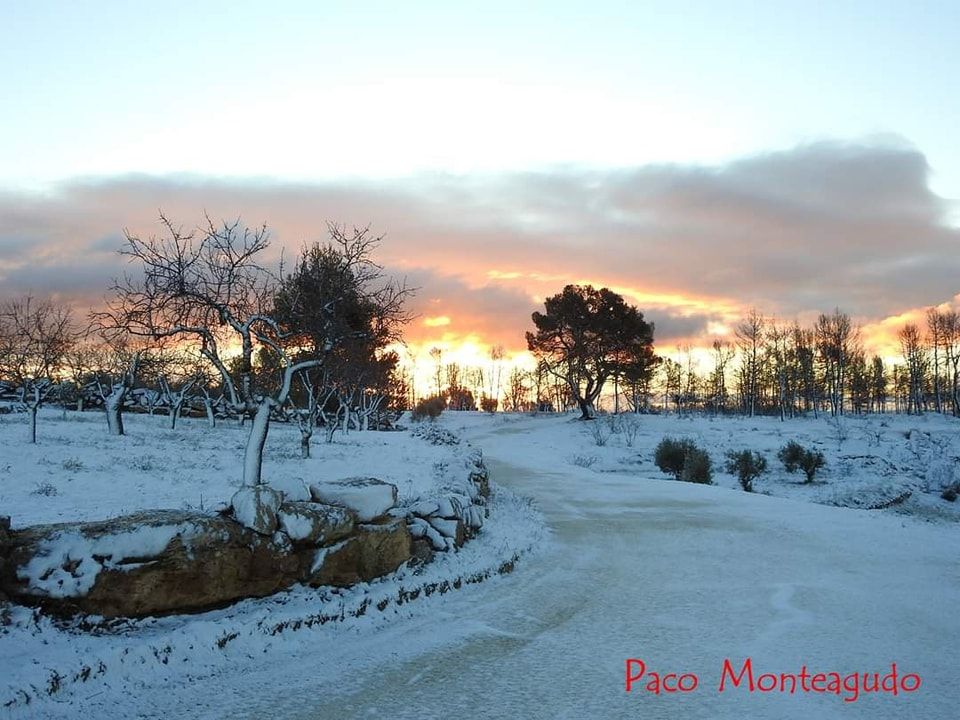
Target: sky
(702, 158)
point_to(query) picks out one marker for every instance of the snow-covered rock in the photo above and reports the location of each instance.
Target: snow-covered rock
(452, 529)
(423, 508)
(256, 508)
(145, 564)
(374, 550)
(449, 507)
(369, 498)
(315, 523)
(293, 489)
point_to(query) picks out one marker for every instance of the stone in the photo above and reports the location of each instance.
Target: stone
(311, 523)
(374, 550)
(453, 529)
(424, 508)
(293, 489)
(256, 508)
(421, 551)
(150, 563)
(368, 497)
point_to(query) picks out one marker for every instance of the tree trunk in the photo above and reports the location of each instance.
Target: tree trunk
(305, 443)
(211, 418)
(174, 414)
(34, 407)
(253, 457)
(80, 404)
(585, 407)
(113, 406)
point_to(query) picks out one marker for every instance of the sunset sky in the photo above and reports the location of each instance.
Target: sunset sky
(701, 158)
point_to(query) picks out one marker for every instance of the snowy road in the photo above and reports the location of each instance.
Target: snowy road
(679, 575)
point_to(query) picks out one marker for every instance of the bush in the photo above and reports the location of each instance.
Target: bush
(684, 460)
(811, 462)
(697, 467)
(790, 455)
(670, 454)
(796, 457)
(599, 432)
(428, 408)
(950, 494)
(747, 465)
(488, 404)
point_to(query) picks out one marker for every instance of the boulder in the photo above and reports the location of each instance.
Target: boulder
(149, 563)
(453, 529)
(481, 478)
(424, 508)
(293, 489)
(374, 550)
(256, 508)
(368, 497)
(314, 523)
(421, 551)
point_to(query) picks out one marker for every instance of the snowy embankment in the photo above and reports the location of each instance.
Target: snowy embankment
(76, 472)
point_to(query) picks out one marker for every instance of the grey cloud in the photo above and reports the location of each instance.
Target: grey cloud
(818, 226)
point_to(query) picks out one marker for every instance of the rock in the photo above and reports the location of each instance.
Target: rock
(418, 527)
(473, 517)
(375, 550)
(424, 508)
(480, 477)
(450, 506)
(421, 551)
(369, 498)
(293, 489)
(453, 529)
(150, 563)
(314, 523)
(256, 508)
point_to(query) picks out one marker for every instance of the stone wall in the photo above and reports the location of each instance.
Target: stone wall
(167, 561)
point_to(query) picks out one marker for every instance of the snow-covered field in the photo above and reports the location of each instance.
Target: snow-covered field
(636, 565)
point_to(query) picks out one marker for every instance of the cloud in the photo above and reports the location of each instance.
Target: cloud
(821, 225)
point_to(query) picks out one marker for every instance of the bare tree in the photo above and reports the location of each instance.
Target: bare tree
(936, 332)
(837, 342)
(750, 341)
(35, 338)
(911, 346)
(210, 284)
(723, 353)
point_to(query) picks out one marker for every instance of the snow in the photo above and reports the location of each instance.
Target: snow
(368, 497)
(636, 565)
(256, 508)
(294, 489)
(67, 563)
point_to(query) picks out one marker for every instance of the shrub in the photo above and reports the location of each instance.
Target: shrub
(790, 455)
(684, 460)
(747, 465)
(669, 455)
(811, 462)
(428, 408)
(950, 493)
(599, 432)
(697, 467)
(488, 404)
(796, 457)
